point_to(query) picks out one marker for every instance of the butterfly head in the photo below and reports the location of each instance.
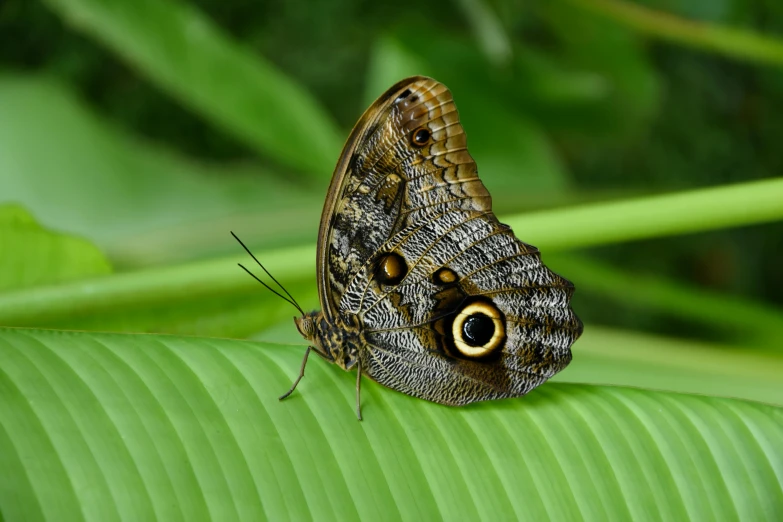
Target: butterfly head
(306, 325)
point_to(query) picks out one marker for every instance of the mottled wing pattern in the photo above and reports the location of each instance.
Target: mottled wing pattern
(422, 200)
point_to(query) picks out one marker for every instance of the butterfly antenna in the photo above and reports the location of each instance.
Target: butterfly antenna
(271, 289)
(290, 298)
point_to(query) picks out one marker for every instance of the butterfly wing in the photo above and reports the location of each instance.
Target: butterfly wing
(451, 307)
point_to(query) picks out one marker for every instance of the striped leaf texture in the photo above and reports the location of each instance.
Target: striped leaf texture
(141, 427)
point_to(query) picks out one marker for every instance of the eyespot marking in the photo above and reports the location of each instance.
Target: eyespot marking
(444, 276)
(421, 137)
(390, 268)
(403, 95)
(478, 329)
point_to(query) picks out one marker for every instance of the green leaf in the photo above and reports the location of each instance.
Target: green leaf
(488, 31)
(109, 427)
(728, 41)
(182, 52)
(389, 62)
(538, 84)
(32, 255)
(616, 54)
(139, 202)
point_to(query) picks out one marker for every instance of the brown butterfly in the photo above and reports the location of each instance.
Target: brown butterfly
(421, 288)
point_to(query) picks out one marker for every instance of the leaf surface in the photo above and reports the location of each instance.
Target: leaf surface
(109, 427)
(180, 50)
(32, 255)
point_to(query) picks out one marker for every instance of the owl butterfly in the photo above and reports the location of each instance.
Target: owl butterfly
(421, 288)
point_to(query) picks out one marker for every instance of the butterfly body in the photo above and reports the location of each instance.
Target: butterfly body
(422, 289)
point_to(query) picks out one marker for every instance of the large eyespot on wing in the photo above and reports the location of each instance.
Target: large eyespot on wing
(405, 161)
(478, 330)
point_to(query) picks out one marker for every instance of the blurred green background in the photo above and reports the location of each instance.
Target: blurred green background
(152, 129)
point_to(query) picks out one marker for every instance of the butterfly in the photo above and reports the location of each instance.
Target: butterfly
(421, 288)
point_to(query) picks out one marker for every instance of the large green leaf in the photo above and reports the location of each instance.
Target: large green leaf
(32, 255)
(108, 427)
(140, 202)
(180, 50)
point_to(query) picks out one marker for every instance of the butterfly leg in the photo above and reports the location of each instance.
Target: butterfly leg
(301, 374)
(359, 390)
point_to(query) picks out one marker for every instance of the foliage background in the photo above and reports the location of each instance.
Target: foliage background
(115, 131)
(135, 135)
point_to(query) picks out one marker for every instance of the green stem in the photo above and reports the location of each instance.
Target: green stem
(653, 216)
(715, 38)
(587, 225)
(155, 286)
(750, 321)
